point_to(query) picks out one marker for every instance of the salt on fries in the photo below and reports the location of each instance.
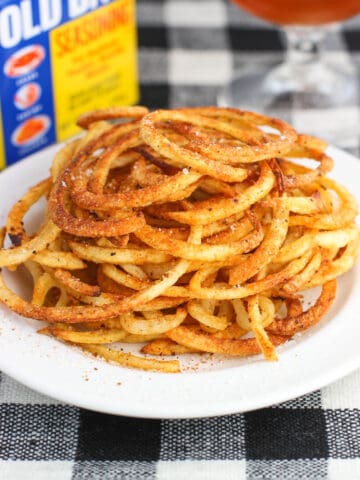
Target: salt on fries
(184, 230)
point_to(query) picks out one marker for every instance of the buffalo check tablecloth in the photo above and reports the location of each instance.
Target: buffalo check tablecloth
(187, 49)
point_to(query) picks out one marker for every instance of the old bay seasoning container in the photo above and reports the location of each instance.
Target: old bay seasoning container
(60, 58)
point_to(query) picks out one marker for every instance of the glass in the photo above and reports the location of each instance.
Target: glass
(316, 93)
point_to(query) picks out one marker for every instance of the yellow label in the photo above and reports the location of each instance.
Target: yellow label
(2, 151)
(94, 63)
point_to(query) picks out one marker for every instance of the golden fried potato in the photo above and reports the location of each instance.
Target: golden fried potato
(183, 231)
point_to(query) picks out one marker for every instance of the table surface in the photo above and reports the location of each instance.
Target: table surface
(187, 50)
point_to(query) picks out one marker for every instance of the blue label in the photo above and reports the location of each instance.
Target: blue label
(27, 104)
(27, 99)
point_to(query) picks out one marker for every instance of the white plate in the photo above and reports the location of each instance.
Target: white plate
(209, 386)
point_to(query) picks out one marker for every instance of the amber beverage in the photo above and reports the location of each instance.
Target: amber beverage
(301, 12)
(315, 90)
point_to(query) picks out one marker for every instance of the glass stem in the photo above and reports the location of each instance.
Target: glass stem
(304, 45)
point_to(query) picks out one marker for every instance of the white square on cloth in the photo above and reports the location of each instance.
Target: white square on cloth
(36, 470)
(343, 469)
(187, 13)
(207, 68)
(201, 470)
(345, 393)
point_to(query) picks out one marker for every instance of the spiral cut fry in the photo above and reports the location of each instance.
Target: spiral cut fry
(185, 231)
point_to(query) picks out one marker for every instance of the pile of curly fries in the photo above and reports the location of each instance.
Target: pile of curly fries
(185, 231)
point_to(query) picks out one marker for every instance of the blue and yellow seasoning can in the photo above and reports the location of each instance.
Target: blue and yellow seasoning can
(60, 59)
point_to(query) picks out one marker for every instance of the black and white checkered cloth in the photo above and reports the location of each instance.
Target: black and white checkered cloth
(187, 50)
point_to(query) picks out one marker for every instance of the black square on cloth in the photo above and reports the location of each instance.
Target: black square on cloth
(154, 96)
(287, 434)
(107, 437)
(352, 39)
(248, 39)
(154, 37)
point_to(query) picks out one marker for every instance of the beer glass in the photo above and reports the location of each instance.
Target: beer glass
(317, 95)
